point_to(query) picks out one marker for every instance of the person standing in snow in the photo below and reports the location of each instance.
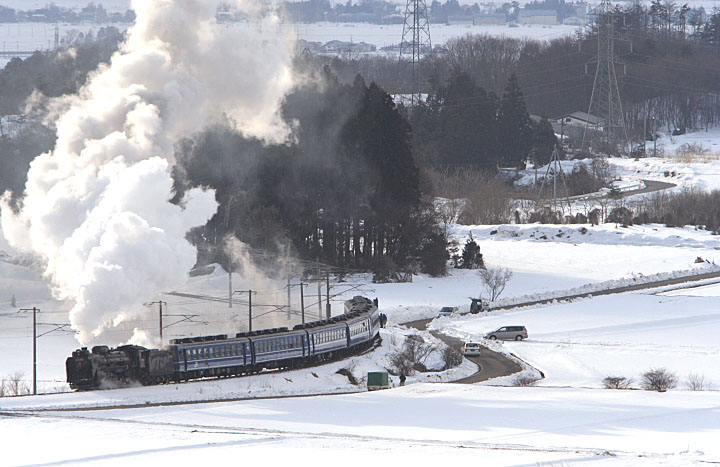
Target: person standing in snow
(402, 378)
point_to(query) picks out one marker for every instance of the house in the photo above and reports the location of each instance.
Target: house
(574, 21)
(581, 119)
(335, 46)
(538, 16)
(460, 20)
(490, 19)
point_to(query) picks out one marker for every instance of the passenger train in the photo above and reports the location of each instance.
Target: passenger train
(218, 356)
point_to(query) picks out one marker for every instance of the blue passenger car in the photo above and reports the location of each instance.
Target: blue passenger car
(209, 356)
(328, 339)
(273, 351)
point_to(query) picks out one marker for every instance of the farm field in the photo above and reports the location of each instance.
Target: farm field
(566, 419)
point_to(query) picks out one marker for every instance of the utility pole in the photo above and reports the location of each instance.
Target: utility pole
(327, 297)
(289, 273)
(302, 298)
(319, 295)
(160, 304)
(230, 258)
(302, 302)
(557, 171)
(35, 311)
(605, 98)
(415, 40)
(250, 294)
(230, 287)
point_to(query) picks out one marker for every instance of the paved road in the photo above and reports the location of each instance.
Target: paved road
(490, 364)
(650, 186)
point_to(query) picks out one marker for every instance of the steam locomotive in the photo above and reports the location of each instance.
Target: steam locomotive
(222, 356)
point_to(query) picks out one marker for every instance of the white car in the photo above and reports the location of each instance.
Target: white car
(447, 311)
(471, 348)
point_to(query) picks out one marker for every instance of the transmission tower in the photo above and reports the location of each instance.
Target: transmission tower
(605, 99)
(415, 41)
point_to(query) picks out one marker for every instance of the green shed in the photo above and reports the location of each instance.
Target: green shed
(378, 380)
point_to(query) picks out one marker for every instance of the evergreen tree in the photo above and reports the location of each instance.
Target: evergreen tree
(514, 125)
(544, 141)
(471, 256)
(434, 254)
(467, 123)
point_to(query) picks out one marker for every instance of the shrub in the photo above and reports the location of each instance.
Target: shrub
(412, 356)
(658, 379)
(696, 382)
(452, 357)
(14, 385)
(524, 381)
(350, 376)
(617, 382)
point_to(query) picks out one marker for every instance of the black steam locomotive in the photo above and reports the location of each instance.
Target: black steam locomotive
(214, 356)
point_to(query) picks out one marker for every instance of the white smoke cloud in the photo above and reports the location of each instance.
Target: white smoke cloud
(96, 207)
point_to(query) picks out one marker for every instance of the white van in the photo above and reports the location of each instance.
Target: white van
(471, 348)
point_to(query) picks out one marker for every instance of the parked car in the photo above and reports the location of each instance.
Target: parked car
(447, 311)
(471, 348)
(508, 333)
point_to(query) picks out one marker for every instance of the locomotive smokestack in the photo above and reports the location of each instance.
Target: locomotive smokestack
(96, 207)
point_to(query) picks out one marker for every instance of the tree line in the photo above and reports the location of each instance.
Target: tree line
(346, 192)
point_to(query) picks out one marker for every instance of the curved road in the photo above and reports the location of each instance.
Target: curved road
(493, 364)
(490, 364)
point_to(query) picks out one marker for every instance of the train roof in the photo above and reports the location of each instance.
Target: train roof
(355, 307)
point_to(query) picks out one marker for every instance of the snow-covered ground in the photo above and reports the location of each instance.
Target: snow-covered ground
(24, 5)
(566, 419)
(424, 424)
(386, 35)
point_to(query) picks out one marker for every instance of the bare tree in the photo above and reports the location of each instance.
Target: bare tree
(696, 382)
(659, 379)
(412, 357)
(495, 280)
(617, 382)
(14, 385)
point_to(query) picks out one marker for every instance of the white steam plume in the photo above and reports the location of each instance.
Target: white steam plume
(96, 207)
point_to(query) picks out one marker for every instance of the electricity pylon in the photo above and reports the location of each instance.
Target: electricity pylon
(605, 99)
(415, 40)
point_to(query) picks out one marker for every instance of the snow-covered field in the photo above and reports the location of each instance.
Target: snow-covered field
(386, 35)
(565, 420)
